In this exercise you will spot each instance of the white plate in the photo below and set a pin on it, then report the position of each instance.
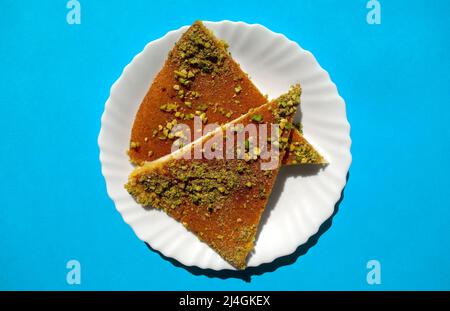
(299, 203)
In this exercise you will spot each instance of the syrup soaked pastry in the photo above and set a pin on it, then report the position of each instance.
(199, 78)
(221, 200)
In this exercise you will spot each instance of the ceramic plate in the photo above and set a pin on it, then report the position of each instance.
(300, 202)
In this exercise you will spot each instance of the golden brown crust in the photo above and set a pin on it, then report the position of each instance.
(217, 92)
(220, 201)
(204, 81)
(227, 94)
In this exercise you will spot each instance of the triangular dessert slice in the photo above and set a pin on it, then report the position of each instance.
(199, 78)
(221, 200)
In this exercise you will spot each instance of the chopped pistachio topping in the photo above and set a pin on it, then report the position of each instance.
(257, 118)
(181, 73)
(299, 127)
(170, 107)
(196, 183)
(197, 51)
(287, 104)
(134, 145)
(202, 107)
(192, 94)
(267, 173)
(256, 151)
(247, 145)
(241, 168)
(305, 153)
(189, 116)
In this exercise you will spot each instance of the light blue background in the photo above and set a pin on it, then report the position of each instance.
(55, 78)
